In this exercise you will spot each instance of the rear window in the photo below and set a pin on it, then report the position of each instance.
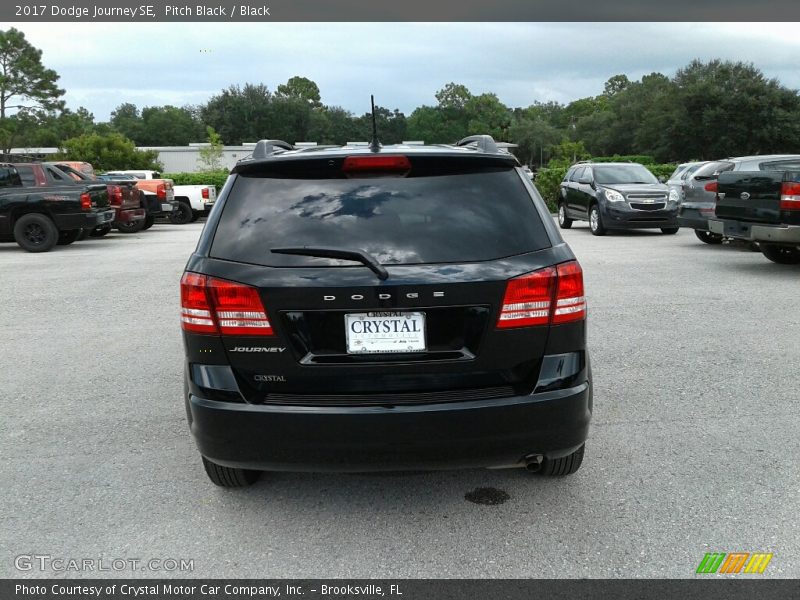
(781, 165)
(398, 220)
(712, 169)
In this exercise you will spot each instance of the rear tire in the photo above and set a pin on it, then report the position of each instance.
(148, 222)
(708, 237)
(99, 232)
(783, 255)
(596, 221)
(563, 220)
(181, 215)
(35, 232)
(228, 477)
(669, 230)
(65, 238)
(566, 465)
(131, 226)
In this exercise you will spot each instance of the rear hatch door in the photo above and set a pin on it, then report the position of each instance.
(449, 235)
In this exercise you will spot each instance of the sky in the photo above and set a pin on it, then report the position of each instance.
(105, 64)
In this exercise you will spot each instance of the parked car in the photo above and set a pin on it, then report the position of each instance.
(682, 171)
(336, 316)
(699, 203)
(123, 196)
(157, 193)
(192, 202)
(761, 206)
(38, 217)
(615, 196)
(696, 203)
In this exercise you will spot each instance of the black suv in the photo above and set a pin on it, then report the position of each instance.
(616, 196)
(384, 308)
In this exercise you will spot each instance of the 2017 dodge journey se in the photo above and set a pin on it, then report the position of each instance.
(365, 308)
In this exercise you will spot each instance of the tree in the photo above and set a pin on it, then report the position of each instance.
(25, 84)
(300, 88)
(211, 154)
(107, 152)
(240, 113)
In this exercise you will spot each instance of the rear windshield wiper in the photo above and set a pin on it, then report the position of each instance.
(356, 255)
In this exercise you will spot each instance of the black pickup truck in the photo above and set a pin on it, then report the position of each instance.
(763, 207)
(39, 217)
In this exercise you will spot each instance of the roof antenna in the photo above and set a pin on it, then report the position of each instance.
(374, 145)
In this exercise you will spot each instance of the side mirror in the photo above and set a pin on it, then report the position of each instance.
(585, 181)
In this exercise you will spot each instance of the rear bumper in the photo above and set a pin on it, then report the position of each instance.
(129, 215)
(693, 218)
(756, 232)
(87, 220)
(619, 215)
(477, 433)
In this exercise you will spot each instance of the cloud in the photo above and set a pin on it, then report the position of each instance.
(403, 64)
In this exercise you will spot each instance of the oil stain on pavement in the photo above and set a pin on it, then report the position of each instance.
(487, 495)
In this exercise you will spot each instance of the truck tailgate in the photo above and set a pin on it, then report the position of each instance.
(750, 196)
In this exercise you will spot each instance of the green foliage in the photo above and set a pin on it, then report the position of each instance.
(644, 159)
(108, 152)
(25, 84)
(216, 178)
(211, 155)
(548, 181)
(300, 88)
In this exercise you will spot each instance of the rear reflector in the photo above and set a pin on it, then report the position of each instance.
(711, 187)
(376, 163)
(550, 295)
(218, 306)
(790, 195)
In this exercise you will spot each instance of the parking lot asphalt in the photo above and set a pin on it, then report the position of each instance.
(693, 446)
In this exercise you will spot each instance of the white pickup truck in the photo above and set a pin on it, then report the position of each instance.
(192, 201)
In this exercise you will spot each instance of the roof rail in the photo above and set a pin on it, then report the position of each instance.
(484, 143)
(266, 147)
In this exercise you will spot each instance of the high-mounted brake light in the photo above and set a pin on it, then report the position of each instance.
(205, 193)
(712, 187)
(550, 295)
(221, 307)
(86, 201)
(376, 163)
(790, 195)
(115, 195)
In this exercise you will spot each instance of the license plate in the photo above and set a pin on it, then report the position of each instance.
(385, 332)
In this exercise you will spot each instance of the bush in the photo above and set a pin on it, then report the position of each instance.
(108, 152)
(215, 178)
(548, 181)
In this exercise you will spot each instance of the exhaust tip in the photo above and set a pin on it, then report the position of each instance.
(533, 462)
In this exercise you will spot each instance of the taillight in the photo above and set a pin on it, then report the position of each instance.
(376, 163)
(528, 299)
(570, 303)
(217, 306)
(195, 308)
(115, 195)
(790, 195)
(161, 191)
(86, 201)
(550, 295)
(205, 193)
(712, 187)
